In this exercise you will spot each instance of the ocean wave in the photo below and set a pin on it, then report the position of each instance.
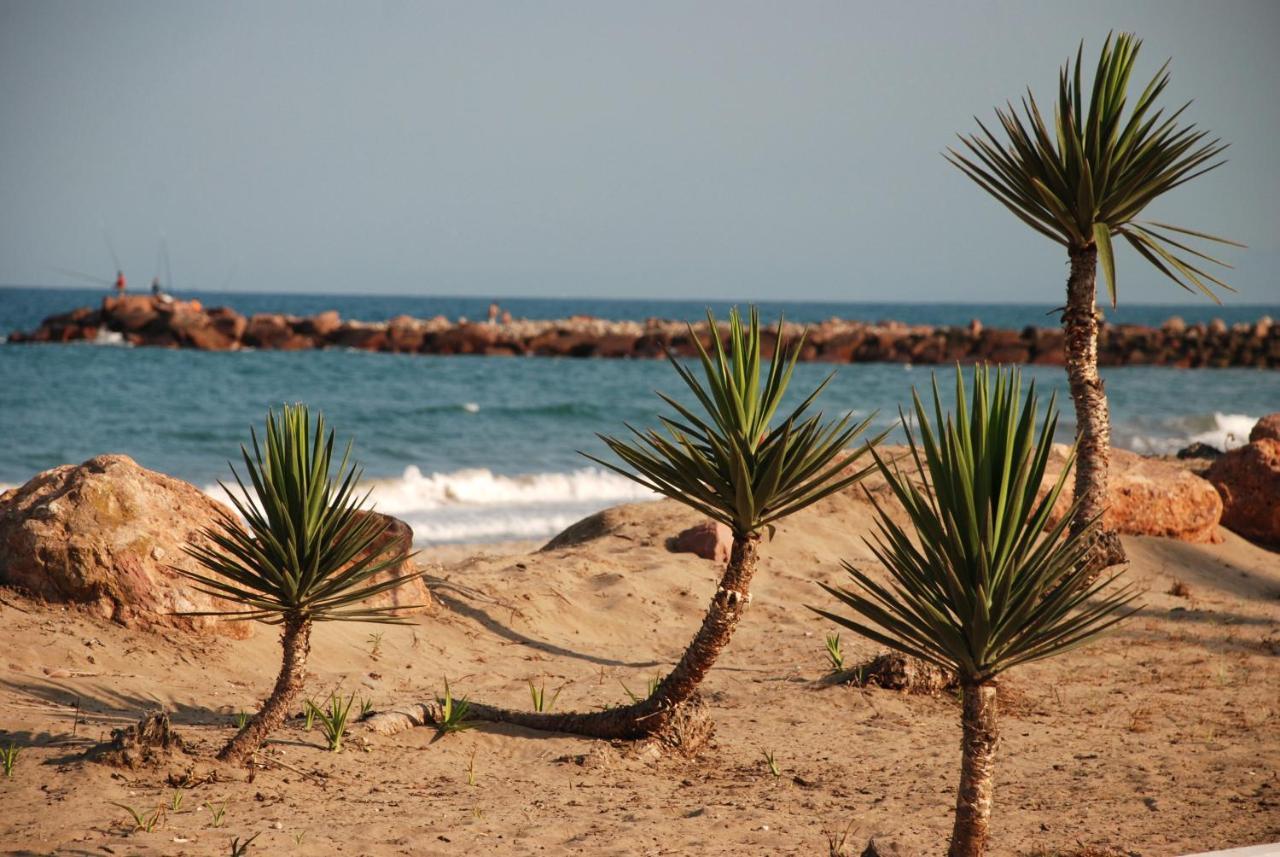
(558, 409)
(477, 505)
(1219, 430)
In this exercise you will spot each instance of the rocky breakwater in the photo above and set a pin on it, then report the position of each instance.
(142, 320)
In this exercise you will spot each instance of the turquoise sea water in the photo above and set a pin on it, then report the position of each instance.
(475, 448)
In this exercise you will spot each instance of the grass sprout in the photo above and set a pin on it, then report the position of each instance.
(239, 849)
(375, 645)
(835, 655)
(333, 723)
(540, 701)
(453, 712)
(9, 758)
(141, 821)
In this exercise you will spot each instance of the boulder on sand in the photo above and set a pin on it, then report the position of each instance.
(709, 540)
(1267, 428)
(1248, 479)
(104, 534)
(1148, 497)
(396, 540)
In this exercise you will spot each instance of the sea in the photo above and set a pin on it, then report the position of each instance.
(482, 449)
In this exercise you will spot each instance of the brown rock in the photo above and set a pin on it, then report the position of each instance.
(1267, 428)
(1248, 479)
(104, 534)
(200, 330)
(1148, 497)
(709, 540)
(130, 313)
(320, 325)
(274, 331)
(410, 597)
(405, 334)
(360, 335)
(229, 322)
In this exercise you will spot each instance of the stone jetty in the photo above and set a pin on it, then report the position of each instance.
(145, 321)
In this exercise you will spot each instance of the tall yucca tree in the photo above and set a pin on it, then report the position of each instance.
(1081, 184)
(729, 459)
(983, 586)
(306, 552)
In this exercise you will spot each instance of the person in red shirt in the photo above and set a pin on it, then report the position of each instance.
(120, 282)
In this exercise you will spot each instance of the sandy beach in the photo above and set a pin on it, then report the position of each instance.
(1160, 739)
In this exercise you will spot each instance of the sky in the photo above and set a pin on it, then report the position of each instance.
(711, 150)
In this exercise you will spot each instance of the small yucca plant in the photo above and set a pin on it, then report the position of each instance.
(983, 586)
(306, 552)
(729, 459)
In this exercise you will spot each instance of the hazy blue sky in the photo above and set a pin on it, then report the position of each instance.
(700, 149)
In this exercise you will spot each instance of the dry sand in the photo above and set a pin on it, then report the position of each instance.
(1161, 739)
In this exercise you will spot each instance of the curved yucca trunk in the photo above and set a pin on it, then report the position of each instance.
(1093, 420)
(650, 715)
(295, 639)
(977, 771)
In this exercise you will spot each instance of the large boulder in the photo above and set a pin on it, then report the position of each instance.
(105, 534)
(1148, 497)
(1248, 479)
(396, 542)
(1267, 428)
(710, 540)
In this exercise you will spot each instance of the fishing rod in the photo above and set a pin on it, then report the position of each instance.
(82, 276)
(111, 247)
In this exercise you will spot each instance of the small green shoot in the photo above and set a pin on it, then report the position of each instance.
(836, 842)
(834, 653)
(772, 763)
(239, 849)
(145, 823)
(9, 758)
(297, 837)
(652, 688)
(375, 645)
(540, 701)
(175, 801)
(218, 813)
(242, 720)
(471, 769)
(309, 710)
(453, 712)
(366, 707)
(333, 723)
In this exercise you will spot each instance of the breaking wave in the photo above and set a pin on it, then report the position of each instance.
(481, 506)
(1223, 431)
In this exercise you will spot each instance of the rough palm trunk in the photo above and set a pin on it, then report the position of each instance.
(977, 771)
(1093, 419)
(296, 642)
(646, 716)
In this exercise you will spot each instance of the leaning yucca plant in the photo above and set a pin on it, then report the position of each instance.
(728, 458)
(1082, 182)
(306, 552)
(983, 586)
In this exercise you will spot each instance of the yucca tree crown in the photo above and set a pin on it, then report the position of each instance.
(1094, 174)
(295, 556)
(983, 587)
(728, 461)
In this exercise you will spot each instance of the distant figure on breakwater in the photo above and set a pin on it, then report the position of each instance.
(158, 293)
(120, 283)
(493, 312)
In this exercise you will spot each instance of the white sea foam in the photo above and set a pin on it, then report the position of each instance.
(109, 337)
(478, 505)
(1223, 431)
